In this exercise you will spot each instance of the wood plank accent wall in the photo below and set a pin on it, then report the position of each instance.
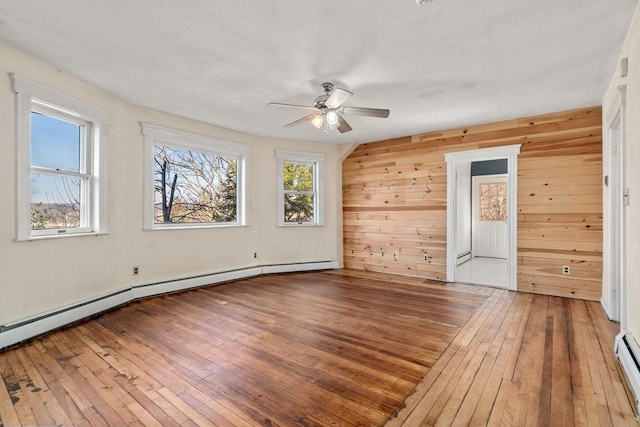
(394, 198)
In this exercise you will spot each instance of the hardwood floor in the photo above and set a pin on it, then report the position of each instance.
(333, 348)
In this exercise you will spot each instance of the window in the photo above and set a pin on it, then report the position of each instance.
(493, 201)
(61, 160)
(299, 188)
(192, 180)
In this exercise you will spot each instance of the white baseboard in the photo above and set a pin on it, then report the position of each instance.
(13, 333)
(305, 266)
(144, 291)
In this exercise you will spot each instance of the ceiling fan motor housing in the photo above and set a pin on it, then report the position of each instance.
(319, 103)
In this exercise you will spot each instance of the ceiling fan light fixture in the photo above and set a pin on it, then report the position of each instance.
(317, 121)
(328, 109)
(332, 118)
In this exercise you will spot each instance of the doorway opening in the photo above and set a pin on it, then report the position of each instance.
(486, 264)
(490, 198)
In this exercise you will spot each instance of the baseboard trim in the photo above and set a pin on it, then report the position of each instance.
(16, 332)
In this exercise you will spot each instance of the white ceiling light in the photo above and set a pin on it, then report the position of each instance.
(332, 118)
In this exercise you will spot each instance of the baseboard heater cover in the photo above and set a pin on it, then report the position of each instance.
(16, 332)
(628, 353)
(462, 258)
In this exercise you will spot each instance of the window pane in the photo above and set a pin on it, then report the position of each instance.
(298, 208)
(297, 176)
(194, 187)
(493, 202)
(55, 202)
(55, 143)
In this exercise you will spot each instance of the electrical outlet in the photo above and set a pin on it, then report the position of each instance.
(425, 257)
(381, 253)
(255, 255)
(566, 269)
(135, 270)
(353, 251)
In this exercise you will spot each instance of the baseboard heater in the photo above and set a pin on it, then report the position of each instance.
(22, 330)
(628, 353)
(463, 257)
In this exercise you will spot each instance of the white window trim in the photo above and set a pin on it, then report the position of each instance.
(28, 92)
(298, 156)
(157, 135)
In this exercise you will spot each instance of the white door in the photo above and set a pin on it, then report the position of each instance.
(489, 223)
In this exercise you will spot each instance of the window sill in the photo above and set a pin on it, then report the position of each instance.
(60, 236)
(307, 224)
(193, 227)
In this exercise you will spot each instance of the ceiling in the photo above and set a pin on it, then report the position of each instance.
(440, 65)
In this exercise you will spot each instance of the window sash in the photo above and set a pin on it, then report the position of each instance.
(315, 160)
(84, 176)
(231, 158)
(311, 193)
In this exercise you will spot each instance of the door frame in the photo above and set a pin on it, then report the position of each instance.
(509, 152)
(615, 228)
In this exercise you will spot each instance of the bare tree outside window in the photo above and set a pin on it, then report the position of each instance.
(194, 187)
(493, 201)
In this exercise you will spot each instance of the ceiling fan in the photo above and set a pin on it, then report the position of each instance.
(328, 110)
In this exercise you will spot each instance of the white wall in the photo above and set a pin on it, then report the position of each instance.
(630, 50)
(463, 208)
(39, 276)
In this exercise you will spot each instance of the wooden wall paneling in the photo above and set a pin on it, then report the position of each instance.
(394, 198)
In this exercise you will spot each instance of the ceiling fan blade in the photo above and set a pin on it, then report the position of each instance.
(370, 112)
(317, 121)
(306, 107)
(302, 120)
(343, 126)
(337, 98)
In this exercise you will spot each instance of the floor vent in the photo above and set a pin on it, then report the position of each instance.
(628, 353)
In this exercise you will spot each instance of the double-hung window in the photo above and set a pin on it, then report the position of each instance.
(300, 188)
(192, 180)
(61, 160)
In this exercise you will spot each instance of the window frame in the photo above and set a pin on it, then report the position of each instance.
(164, 137)
(480, 206)
(315, 159)
(35, 97)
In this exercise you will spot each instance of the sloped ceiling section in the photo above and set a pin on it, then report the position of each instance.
(441, 65)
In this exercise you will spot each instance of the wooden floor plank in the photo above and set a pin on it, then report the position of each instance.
(20, 413)
(42, 388)
(33, 410)
(609, 369)
(501, 350)
(560, 407)
(169, 386)
(333, 348)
